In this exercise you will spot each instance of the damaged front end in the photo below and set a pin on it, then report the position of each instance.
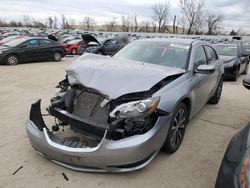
(117, 135)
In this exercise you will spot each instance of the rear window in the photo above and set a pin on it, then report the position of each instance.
(228, 50)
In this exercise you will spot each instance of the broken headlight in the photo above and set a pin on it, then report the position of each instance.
(134, 109)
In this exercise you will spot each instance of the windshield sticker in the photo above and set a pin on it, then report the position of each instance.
(182, 46)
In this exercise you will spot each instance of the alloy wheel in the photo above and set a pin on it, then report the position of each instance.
(178, 127)
(12, 60)
(57, 56)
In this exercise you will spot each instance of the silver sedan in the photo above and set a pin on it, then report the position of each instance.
(121, 111)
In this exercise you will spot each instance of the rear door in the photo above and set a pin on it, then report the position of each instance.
(30, 50)
(46, 48)
(243, 58)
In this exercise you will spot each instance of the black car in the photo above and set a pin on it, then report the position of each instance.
(236, 60)
(106, 47)
(235, 167)
(247, 47)
(29, 49)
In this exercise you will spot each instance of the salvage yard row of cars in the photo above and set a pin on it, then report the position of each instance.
(18, 49)
(122, 110)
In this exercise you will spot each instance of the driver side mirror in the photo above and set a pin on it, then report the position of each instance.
(246, 83)
(205, 69)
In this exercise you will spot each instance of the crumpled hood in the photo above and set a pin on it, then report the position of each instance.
(226, 58)
(116, 77)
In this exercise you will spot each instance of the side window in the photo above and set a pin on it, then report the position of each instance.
(243, 50)
(211, 54)
(32, 43)
(200, 57)
(45, 42)
(110, 42)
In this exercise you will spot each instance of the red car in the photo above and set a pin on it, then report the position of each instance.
(73, 46)
(7, 39)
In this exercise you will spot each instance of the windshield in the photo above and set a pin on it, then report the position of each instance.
(226, 50)
(159, 53)
(74, 41)
(8, 39)
(15, 42)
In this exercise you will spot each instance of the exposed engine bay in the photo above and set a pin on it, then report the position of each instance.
(92, 113)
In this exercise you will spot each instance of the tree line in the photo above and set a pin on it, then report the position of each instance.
(193, 18)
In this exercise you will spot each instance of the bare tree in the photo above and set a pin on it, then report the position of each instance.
(111, 24)
(213, 20)
(135, 23)
(55, 22)
(125, 23)
(193, 11)
(160, 14)
(27, 21)
(50, 20)
(88, 23)
(71, 24)
(145, 27)
(182, 23)
(154, 26)
(38, 24)
(64, 20)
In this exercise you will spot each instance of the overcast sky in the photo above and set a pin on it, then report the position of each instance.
(236, 12)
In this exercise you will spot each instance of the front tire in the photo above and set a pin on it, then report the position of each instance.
(217, 95)
(177, 129)
(57, 56)
(99, 53)
(12, 60)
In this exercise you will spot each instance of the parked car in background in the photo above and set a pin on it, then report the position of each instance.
(7, 39)
(73, 46)
(28, 49)
(235, 167)
(236, 60)
(108, 46)
(89, 42)
(126, 108)
(247, 48)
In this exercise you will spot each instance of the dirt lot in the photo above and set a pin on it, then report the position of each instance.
(195, 165)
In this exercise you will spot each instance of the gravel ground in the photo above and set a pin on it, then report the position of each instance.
(194, 165)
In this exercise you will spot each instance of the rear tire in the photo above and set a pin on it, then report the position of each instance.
(217, 95)
(74, 51)
(12, 60)
(177, 129)
(236, 74)
(57, 56)
(246, 69)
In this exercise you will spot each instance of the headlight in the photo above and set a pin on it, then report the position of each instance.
(136, 108)
(244, 177)
(72, 79)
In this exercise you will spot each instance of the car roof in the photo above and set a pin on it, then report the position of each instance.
(172, 40)
(226, 44)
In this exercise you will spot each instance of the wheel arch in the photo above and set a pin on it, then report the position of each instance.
(188, 103)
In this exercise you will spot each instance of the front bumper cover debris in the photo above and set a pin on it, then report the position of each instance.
(128, 154)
